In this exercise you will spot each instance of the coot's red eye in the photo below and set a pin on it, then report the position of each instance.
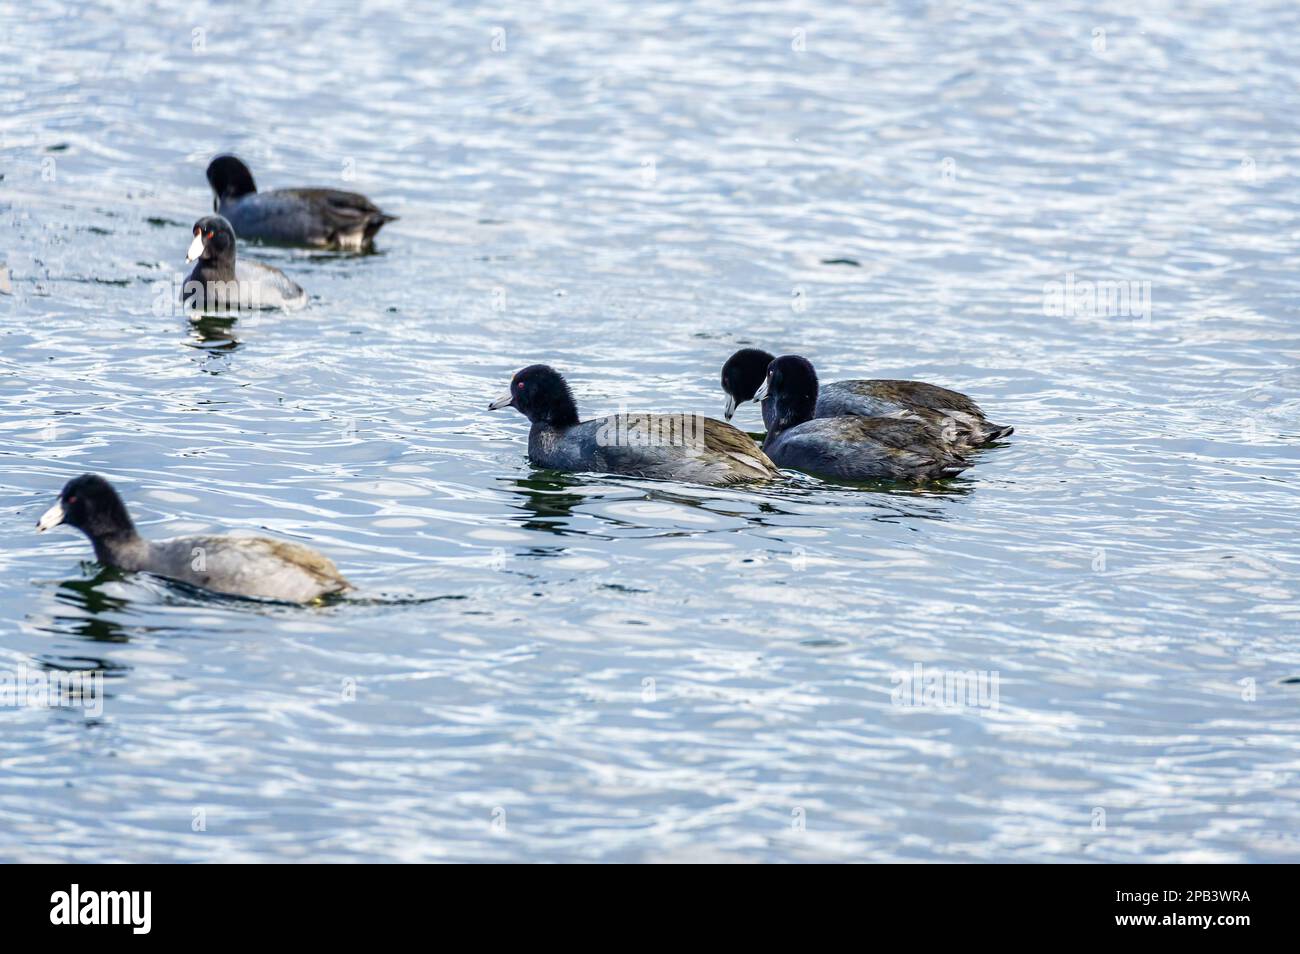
(520, 386)
(72, 499)
(209, 235)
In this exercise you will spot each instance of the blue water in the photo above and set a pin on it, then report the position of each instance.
(546, 667)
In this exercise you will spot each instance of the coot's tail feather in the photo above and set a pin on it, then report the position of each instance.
(376, 222)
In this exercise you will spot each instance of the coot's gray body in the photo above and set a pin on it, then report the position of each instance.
(863, 448)
(669, 446)
(256, 567)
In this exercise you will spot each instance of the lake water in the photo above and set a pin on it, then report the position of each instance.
(562, 668)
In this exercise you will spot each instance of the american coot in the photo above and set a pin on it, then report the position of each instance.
(219, 282)
(671, 446)
(236, 566)
(316, 218)
(849, 447)
(955, 415)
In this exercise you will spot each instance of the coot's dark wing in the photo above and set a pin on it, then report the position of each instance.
(346, 219)
(746, 459)
(919, 394)
(903, 433)
(930, 402)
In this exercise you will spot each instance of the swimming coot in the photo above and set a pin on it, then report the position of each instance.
(316, 218)
(220, 282)
(256, 567)
(846, 447)
(671, 446)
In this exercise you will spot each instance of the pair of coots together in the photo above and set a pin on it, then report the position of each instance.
(314, 218)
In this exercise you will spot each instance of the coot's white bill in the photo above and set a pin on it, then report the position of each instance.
(51, 518)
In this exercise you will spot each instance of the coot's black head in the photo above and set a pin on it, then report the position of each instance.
(230, 178)
(90, 504)
(214, 240)
(742, 375)
(791, 382)
(541, 394)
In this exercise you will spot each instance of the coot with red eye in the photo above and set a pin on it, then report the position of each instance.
(255, 567)
(668, 446)
(220, 281)
(315, 218)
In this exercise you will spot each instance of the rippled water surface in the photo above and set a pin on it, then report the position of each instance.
(548, 667)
